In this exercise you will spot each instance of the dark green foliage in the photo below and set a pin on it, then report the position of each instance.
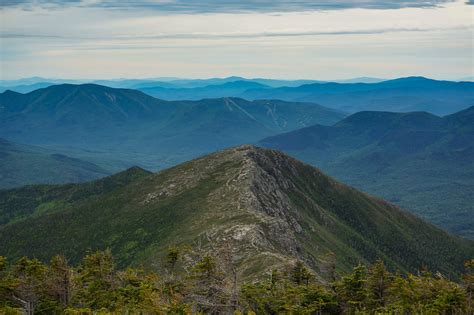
(287, 297)
(379, 280)
(205, 269)
(97, 279)
(95, 286)
(26, 286)
(172, 256)
(300, 274)
(59, 280)
(352, 288)
(17, 204)
(427, 294)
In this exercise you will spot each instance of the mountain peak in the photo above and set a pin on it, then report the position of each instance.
(245, 147)
(122, 178)
(257, 156)
(270, 207)
(85, 103)
(237, 78)
(133, 171)
(82, 86)
(10, 93)
(413, 78)
(89, 88)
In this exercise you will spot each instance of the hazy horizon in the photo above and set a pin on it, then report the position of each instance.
(362, 78)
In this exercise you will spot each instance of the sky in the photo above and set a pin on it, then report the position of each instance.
(287, 39)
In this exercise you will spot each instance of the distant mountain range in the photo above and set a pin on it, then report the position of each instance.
(172, 82)
(197, 93)
(398, 95)
(268, 207)
(25, 165)
(418, 160)
(30, 84)
(99, 118)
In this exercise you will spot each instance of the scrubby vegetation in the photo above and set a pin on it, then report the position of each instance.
(193, 282)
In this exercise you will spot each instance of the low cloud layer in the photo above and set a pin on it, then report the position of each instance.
(192, 36)
(219, 6)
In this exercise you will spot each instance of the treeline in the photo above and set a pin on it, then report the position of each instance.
(190, 283)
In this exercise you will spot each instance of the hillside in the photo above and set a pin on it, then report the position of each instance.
(399, 95)
(120, 122)
(417, 160)
(25, 165)
(268, 206)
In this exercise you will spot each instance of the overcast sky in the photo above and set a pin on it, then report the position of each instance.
(320, 39)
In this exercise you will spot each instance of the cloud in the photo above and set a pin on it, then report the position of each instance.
(12, 35)
(219, 35)
(34, 3)
(233, 6)
(108, 38)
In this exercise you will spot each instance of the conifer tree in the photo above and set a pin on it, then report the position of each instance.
(379, 280)
(300, 274)
(59, 280)
(351, 289)
(28, 284)
(96, 281)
